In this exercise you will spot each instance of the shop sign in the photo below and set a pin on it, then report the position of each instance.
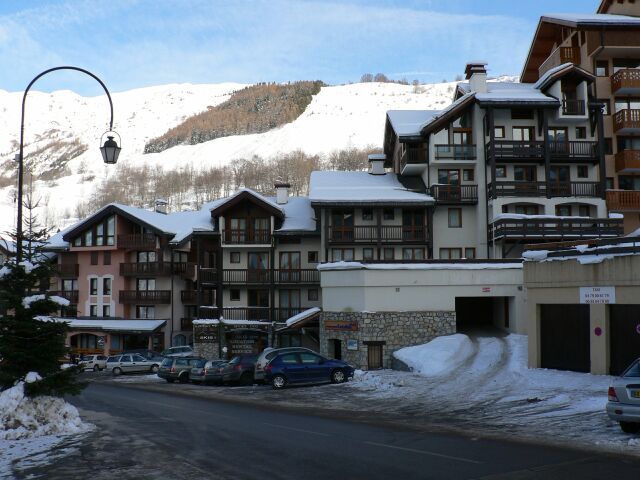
(597, 295)
(100, 342)
(345, 326)
(206, 334)
(243, 342)
(352, 344)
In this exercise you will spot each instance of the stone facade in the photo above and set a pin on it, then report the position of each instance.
(394, 330)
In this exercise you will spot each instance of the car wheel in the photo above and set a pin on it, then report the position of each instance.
(630, 427)
(117, 371)
(279, 382)
(338, 376)
(183, 377)
(154, 368)
(96, 368)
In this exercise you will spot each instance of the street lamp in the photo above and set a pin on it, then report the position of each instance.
(110, 150)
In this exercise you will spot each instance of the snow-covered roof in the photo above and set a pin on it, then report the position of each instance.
(113, 325)
(298, 216)
(255, 194)
(302, 316)
(418, 266)
(409, 123)
(331, 187)
(591, 19)
(510, 92)
(216, 321)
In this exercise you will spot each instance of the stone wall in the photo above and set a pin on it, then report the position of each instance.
(396, 329)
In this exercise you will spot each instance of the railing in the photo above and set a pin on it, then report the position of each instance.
(518, 150)
(413, 156)
(627, 159)
(573, 107)
(247, 237)
(454, 194)
(67, 270)
(539, 189)
(265, 314)
(137, 241)
(278, 276)
(623, 200)
(374, 233)
(189, 296)
(156, 268)
(208, 275)
(186, 323)
(71, 295)
(282, 276)
(145, 296)
(559, 56)
(627, 119)
(455, 152)
(184, 269)
(555, 228)
(574, 149)
(625, 79)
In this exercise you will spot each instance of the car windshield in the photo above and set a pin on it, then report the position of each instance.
(113, 359)
(234, 360)
(633, 370)
(167, 362)
(199, 363)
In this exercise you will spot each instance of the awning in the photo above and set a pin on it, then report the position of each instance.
(302, 319)
(136, 325)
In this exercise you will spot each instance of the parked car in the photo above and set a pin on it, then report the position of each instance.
(304, 367)
(119, 364)
(269, 354)
(240, 369)
(93, 362)
(624, 399)
(207, 371)
(178, 368)
(148, 354)
(184, 351)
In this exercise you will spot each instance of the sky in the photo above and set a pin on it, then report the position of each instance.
(137, 43)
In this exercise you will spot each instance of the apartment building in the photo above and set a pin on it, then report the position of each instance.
(607, 45)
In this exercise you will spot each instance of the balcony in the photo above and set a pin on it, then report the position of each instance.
(627, 121)
(247, 237)
(573, 108)
(558, 57)
(628, 161)
(455, 152)
(190, 297)
(145, 296)
(626, 82)
(186, 323)
(533, 151)
(156, 268)
(539, 189)
(555, 228)
(71, 295)
(137, 241)
(375, 234)
(455, 194)
(67, 270)
(413, 162)
(265, 314)
(208, 275)
(579, 150)
(623, 200)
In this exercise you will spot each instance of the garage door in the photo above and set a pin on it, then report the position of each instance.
(624, 325)
(564, 337)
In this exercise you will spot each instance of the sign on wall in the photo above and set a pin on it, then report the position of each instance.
(345, 326)
(206, 334)
(352, 344)
(603, 295)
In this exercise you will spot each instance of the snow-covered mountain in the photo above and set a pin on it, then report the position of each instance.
(338, 117)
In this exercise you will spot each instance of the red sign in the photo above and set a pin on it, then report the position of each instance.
(486, 289)
(345, 326)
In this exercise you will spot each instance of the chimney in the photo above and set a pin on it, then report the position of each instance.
(476, 73)
(161, 206)
(376, 160)
(282, 192)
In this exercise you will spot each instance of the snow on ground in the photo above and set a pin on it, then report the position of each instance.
(137, 378)
(441, 355)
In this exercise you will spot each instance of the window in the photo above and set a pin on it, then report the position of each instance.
(309, 358)
(389, 253)
(88, 238)
(106, 286)
(498, 132)
(367, 254)
(145, 284)
(100, 234)
(455, 217)
(608, 146)
(93, 286)
(628, 182)
(602, 68)
(312, 295)
(449, 177)
(388, 214)
(583, 171)
(469, 253)
(367, 214)
(93, 310)
(146, 257)
(180, 257)
(106, 258)
(77, 242)
(522, 134)
(563, 210)
(145, 311)
(450, 253)
(234, 257)
(468, 175)
(69, 285)
(289, 359)
(583, 210)
(606, 106)
(94, 258)
(111, 230)
(413, 253)
(342, 255)
(312, 257)
(106, 310)
(524, 173)
(501, 171)
(521, 114)
(234, 294)
(527, 209)
(581, 133)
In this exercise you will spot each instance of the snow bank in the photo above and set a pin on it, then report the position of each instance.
(438, 357)
(23, 417)
(27, 301)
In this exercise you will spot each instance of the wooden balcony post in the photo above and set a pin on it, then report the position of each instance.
(547, 151)
(602, 169)
(492, 146)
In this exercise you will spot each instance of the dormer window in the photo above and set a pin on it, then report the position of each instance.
(98, 235)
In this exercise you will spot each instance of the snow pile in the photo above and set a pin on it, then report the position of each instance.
(23, 417)
(438, 357)
(27, 301)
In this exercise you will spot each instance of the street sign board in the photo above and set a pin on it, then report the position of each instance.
(591, 295)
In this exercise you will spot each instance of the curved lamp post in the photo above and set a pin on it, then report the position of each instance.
(110, 150)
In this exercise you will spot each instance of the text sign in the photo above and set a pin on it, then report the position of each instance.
(347, 326)
(598, 295)
(206, 334)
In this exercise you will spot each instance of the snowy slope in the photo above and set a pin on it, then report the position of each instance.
(338, 117)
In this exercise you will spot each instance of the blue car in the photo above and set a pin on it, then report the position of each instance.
(305, 367)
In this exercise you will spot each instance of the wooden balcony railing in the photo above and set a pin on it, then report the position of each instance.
(539, 189)
(413, 156)
(578, 149)
(628, 160)
(247, 237)
(67, 270)
(534, 150)
(555, 228)
(208, 275)
(71, 295)
(455, 194)
(625, 81)
(189, 296)
(627, 121)
(265, 314)
(623, 200)
(558, 57)
(374, 234)
(137, 241)
(157, 268)
(573, 107)
(186, 323)
(455, 152)
(278, 276)
(145, 296)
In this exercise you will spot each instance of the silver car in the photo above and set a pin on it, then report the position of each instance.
(269, 354)
(119, 364)
(93, 362)
(624, 399)
(184, 351)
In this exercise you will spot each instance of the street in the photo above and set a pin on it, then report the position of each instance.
(152, 435)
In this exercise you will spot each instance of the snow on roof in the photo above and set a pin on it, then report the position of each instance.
(215, 321)
(298, 215)
(552, 71)
(416, 266)
(520, 216)
(302, 316)
(361, 187)
(255, 194)
(409, 122)
(510, 92)
(113, 325)
(593, 19)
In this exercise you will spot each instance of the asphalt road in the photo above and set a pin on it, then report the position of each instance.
(150, 435)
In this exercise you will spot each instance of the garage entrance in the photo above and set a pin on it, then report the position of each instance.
(479, 313)
(624, 336)
(564, 337)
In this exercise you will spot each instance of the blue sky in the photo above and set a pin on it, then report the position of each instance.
(137, 43)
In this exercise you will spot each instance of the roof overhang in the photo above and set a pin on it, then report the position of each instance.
(246, 196)
(112, 325)
(449, 115)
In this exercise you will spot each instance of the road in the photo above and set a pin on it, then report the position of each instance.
(152, 435)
